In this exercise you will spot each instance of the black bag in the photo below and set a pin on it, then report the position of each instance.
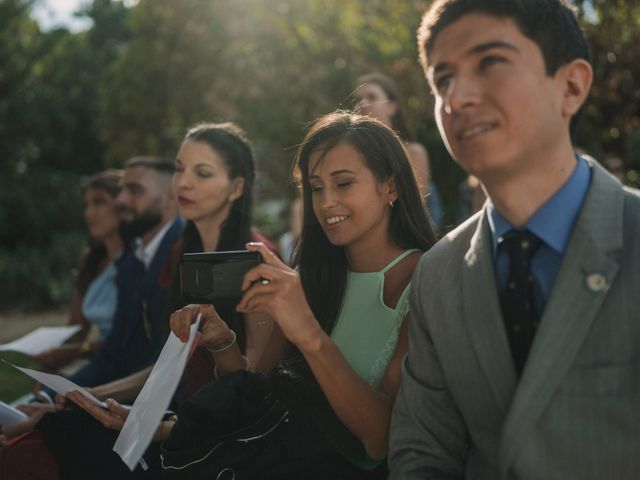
(237, 429)
(83, 448)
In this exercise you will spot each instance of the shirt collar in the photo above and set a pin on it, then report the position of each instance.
(554, 220)
(145, 253)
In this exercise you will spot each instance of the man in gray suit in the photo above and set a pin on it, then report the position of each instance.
(524, 357)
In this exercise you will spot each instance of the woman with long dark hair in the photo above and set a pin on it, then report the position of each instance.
(95, 296)
(345, 308)
(213, 184)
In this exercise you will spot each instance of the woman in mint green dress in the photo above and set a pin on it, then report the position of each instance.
(345, 307)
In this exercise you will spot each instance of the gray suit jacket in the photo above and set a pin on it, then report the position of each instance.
(575, 413)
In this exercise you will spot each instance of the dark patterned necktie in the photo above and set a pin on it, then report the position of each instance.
(521, 308)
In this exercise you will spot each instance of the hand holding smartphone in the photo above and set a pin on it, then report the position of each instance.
(215, 277)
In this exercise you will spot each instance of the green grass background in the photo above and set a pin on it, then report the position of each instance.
(13, 383)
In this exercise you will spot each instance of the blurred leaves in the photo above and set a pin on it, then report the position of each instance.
(74, 103)
(14, 383)
(40, 241)
(614, 112)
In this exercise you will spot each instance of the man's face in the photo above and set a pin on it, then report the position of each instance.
(496, 108)
(140, 202)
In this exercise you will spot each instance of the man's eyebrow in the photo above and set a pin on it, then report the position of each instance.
(335, 173)
(477, 49)
(483, 47)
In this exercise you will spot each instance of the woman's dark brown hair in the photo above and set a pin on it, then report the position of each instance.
(323, 266)
(398, 120)
(231, 144)
(95, 255)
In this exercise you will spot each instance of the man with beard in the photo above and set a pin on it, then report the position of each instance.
(148, 223)
(150, 227)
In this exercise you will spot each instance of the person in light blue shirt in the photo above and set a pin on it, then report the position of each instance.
(95, 295)
(100, 301)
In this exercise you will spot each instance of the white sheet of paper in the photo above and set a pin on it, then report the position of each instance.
(57, 383)
(42, 339)
(10, 416)
(151, 404)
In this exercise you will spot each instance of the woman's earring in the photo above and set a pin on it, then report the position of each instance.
(391, 203)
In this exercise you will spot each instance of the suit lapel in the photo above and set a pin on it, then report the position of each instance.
(483, 317)
(149, 281)
(586, 272)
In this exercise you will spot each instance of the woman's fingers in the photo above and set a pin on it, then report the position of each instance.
(113, 419)
(257, 303)
(117, 409)
(174, 323)
(262, 274)
(85, 404)
(186, 315)
(258, 289)
(182, 319)
(268, 256)
(80, 400)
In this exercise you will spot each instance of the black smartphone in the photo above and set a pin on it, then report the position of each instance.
(215, 277)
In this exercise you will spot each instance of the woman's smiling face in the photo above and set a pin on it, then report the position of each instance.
(351, 205)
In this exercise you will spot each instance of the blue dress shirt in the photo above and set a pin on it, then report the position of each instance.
(100, 300)
(553, 223)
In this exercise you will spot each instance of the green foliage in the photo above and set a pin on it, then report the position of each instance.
(13, 383)
(42, 237)
(34, 277)
(614, 106)
(50, 133)
(73, 103)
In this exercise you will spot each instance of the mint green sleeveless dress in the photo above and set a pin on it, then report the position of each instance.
(366, 333)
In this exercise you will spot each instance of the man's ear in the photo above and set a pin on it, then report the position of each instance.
(237, 189)
(577, 77)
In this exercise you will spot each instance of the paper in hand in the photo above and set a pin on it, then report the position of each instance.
(57, 383)
(151, 404)
(41, 339)
(10, 416)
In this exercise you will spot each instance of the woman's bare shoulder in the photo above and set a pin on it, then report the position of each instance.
(398, 277)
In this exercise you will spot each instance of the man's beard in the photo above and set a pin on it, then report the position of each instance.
(141, 224)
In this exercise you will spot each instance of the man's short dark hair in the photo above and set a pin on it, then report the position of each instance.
(158, 164)
(550, 24)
